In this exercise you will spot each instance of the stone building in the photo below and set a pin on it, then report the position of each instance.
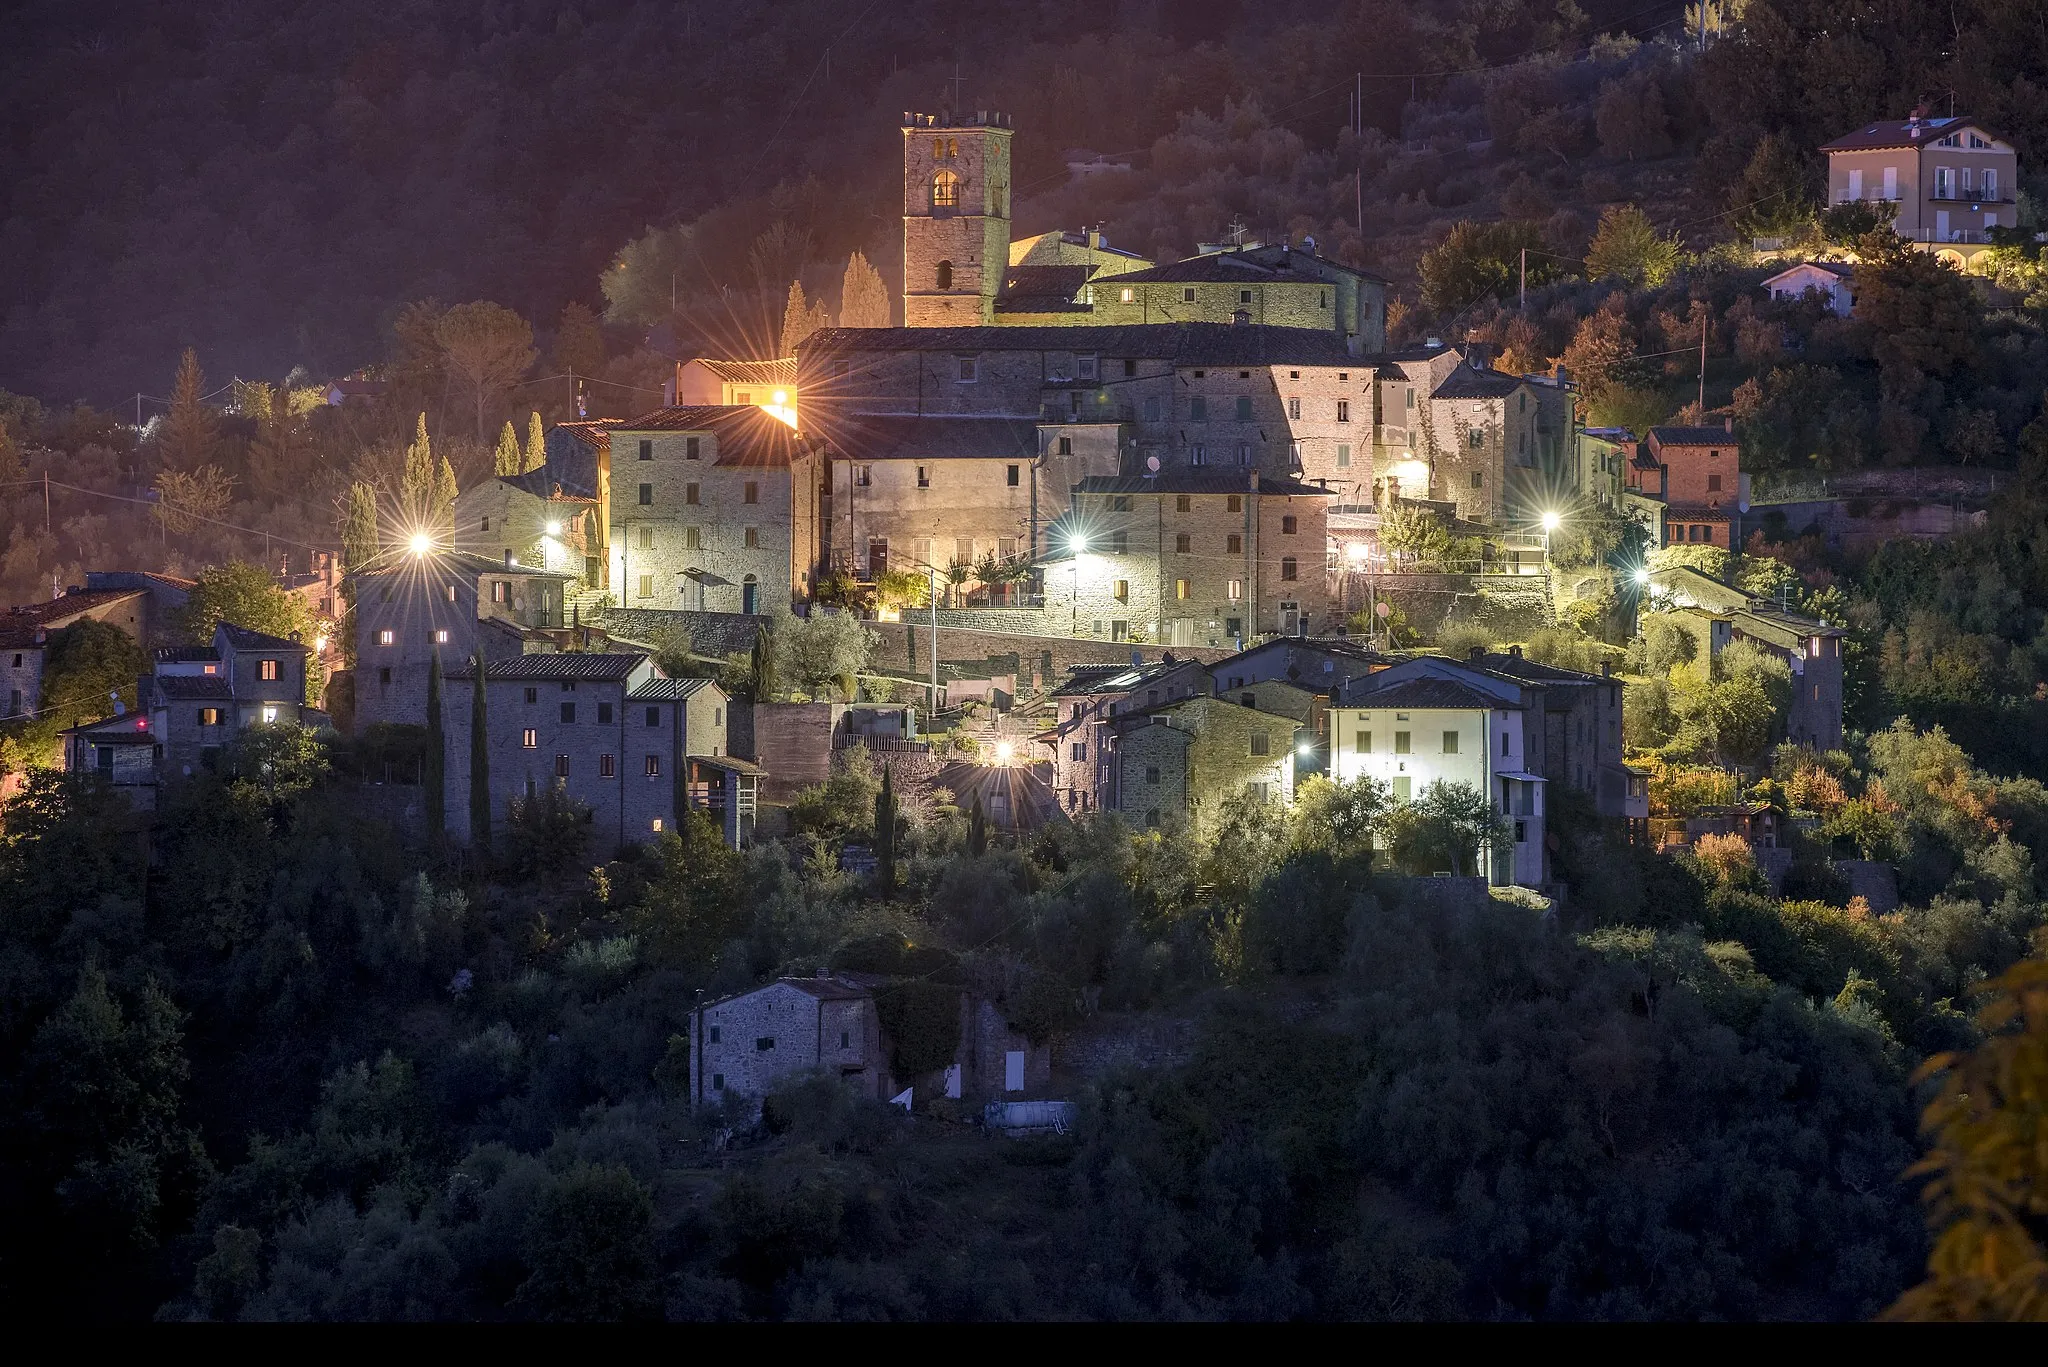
(714, 509)
(906, 492)
(1177, 762)
(1719, 615)
(605, 729)
(193, 703)
(25, 633)
(709, 383)
(1279, 285)
(743, 1046)
(956, 217)
(1696, 473)
(532, 519)
(411, 606)
(1085, 712)
(1188, 559)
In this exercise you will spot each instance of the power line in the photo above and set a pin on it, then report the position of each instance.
(175, 510)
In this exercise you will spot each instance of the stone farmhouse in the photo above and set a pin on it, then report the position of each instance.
(1691, 480)
(605, 729)
(1719, 615)
(193, 703)
(743, 1046)
(25, 637)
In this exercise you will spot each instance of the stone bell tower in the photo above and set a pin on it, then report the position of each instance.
(956, 217)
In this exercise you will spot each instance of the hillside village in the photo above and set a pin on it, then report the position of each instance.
(942, 700)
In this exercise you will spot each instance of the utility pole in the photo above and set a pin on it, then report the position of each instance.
(46, 500)
(932, 596)
(1523, 303)
(1703, 370)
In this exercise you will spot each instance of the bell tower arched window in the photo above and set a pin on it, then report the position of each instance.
(945, 191)
(945, 275)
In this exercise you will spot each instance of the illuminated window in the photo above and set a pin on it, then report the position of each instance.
(500, 590)
(266, 670)
(945, 192)
(1236, 592)
(1183, 589)
(529, 739)
(717, 1079)
(693, 538)
(1127, 295)
(209, 716)
(384, 638)
(440, 639)
(653, 766)
(1120, 590)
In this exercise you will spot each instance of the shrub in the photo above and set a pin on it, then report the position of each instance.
(922, 1021)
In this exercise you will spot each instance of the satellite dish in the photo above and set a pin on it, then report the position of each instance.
(1383, 609)
(1152, 464)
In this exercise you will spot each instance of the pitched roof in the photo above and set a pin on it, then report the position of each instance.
(1088, 680)
(746, 434)
(1841, 270)
(869, 436)
(397, 560)
(1418, 693)
(608, 667)
(185, 654)
(1526, 670)
(781, 371)
(1043, 289)
(1468, 383)
(1196, 482)
(1899, 133)
(1245, 344)
(209, 687)
(1257, 265)
(668, 690)
(1692, 436)
(712, 635)
(242, 638)
(833, 989)
(19, 625)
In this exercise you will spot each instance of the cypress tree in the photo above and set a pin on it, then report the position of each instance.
(433, 772)
(536, 443)
(885, 833)
(507, 460)
(761, 669)
(479, 763)
(416, 486)
(977, 830)
(442, 509)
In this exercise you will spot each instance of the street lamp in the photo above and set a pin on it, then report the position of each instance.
(1642, 577)
(554, 529)
(420, 543)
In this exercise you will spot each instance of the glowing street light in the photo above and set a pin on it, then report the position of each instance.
(1642, 578)
(782, 398)
(554, 529)
(1003, 752)
(419, 543)
(1356, 550)
(1551, 522)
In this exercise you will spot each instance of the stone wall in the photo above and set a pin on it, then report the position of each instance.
(779, 1031)
(1042, 658)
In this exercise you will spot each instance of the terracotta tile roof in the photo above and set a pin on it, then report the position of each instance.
(1467, 383)
(1418, 693)
(1044, 289)
(242, 638)
(746, 434)
(667, 690)
(183, 687)
(1196, 482)
(1183, 344)
(879, 436)
(1899, 133)
(610, 667)
(1692, 436)
(781, 371)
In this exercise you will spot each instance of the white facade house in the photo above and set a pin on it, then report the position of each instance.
(1831, 280)
(1432, 719)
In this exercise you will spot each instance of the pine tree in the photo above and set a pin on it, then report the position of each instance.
(536, 443)
(434, 771)
(863, 298)
(885, 833)
(977, 830)
(443, 506)
(416, 486)
(507, 460)
(479, 761)
(191, 430)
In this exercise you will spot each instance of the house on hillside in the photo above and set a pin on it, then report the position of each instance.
(1831, 281)
(1178, 762)
(1081, 740)
(191, 705)
(1948, 181)
(831, 1024)
(1690, 481)
(25, 633)
(1719, 615)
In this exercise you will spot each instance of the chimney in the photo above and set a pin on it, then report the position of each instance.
(1515, 652)
(1479, 355)
(1563, 376)
(1476, 654)
(508, 557)
(1728, 423)
(1607, 669)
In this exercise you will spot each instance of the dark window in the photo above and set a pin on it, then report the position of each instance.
(690, 494)
(653, 769)
(1289, 568)
(1343, 410)
(1198, 409)
(1130, 366)
(384, 674)
(691, 449)
(1233, 544)
(1183, 503)
(718, 1082)
(943, 279)
(646, 450)
(1478, 479)
(605, 767)
(1287, 525)
(654, 716)
(1080, 750)
(1120, 504)
(1120, 542)
(751, 493)
(1010, 476)
(714, 1034)
(1152, 773)
(1183, 543)
(1260, 742)
(604, 713)
(568, 713)
(561, 766)
(764, 1044)
(646, 495)
(532, 695)
(1244, 409)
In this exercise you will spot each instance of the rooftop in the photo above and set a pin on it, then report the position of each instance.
(1465, 382)
(668, 690)
(1197, 482)
(1693, 436)
(398, 559)
(1418, 693)
(746, 434)
(909, 436)
(781, 371)
(190, 686)
(712, 635)
(1901, 133)
(1183, 344)
(1043, 289)
(1089, 680)
(610, 667)
(242, 638)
